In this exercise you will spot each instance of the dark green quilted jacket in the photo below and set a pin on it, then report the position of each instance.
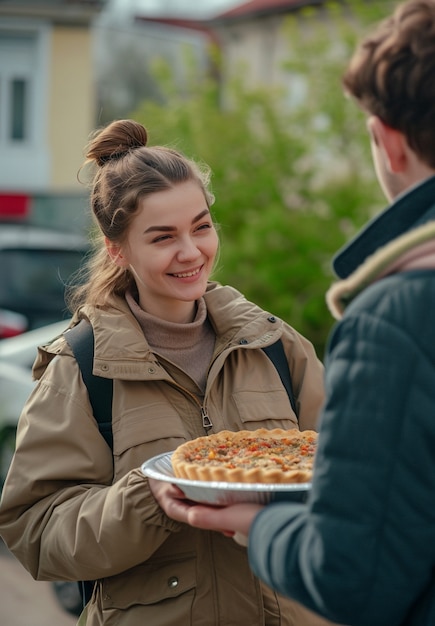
(361, 551)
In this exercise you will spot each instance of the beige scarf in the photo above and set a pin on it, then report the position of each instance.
(413, 250)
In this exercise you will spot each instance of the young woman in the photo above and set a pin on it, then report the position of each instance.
(185, 357)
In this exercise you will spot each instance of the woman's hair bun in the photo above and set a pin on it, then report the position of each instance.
(116, 140)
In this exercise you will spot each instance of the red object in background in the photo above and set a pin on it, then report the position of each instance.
(11, 324)
(14, 206)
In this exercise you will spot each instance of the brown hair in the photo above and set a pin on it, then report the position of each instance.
(392, 75)
(127, 171)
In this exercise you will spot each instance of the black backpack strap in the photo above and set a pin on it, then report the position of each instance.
(276, 354)
(81, 340)
(100, 390)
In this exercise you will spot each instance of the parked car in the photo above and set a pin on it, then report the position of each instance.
(17, 355)
(15, 386)
(22, 349)
(11, 323)
(36, 264)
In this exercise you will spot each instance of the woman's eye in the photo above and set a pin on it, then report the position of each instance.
(161, 238)
(204, 226)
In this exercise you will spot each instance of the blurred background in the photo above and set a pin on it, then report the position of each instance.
(252, 88)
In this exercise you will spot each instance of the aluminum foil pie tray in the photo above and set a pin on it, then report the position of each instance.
(222, 493)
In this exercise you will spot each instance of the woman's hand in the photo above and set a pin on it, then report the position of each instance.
(171, 499)
(229, 520)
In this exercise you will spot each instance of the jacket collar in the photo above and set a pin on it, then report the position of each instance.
(237, 320)
(117, 332)
(413, 250)
(411, 209)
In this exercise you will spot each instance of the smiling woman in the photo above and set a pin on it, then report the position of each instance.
(187, 357)
(170, 261)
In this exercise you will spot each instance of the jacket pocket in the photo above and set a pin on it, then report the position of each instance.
(260, 409)
(143, 433)
(152, 593)
(148, 424)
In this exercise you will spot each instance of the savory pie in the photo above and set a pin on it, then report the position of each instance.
(258, 456)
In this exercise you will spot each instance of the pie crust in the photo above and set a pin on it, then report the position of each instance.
(258, 456)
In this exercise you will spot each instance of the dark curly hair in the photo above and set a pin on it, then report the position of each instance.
(392, 75)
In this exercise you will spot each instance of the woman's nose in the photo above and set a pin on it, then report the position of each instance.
(188, 250)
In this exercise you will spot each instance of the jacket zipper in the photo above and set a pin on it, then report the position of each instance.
(206, 421)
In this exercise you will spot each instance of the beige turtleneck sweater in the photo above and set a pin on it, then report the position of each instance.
(190, 346)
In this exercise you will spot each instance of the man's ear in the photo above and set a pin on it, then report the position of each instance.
(115, 252)
(391, 142)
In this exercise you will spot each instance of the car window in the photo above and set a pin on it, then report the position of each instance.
(29, 274)
(34, 281)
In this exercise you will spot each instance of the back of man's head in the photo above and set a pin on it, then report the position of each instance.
(392, 75)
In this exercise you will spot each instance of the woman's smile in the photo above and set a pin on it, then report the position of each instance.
(188, 274)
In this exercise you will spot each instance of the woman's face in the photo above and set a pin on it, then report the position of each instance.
(170, 249)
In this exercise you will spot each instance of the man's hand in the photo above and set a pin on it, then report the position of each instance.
(235, 518)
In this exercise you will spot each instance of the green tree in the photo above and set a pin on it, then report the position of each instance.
(292, 181)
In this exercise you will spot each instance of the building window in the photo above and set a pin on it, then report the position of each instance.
(17, 65)
(18, 125)
(25, 47)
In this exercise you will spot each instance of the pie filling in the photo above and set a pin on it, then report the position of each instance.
(261, 456)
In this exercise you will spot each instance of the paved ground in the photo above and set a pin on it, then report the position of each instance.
(25, 602)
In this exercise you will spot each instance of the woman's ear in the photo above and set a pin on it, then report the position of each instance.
(114, 250)
(392, 143)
